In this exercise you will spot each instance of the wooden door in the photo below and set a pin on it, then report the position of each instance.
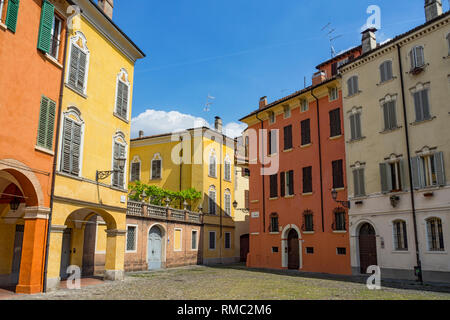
(90, 233)
(154, 249)
(293, 250)
(17, 255)
(245, 244)
(65, 253)
(367, 247)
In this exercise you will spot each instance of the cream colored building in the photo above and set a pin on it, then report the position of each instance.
(396, 95)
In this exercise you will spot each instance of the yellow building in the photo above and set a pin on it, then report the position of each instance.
(198, 158)
(90, 188)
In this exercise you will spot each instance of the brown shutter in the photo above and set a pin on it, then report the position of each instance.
(282, 183)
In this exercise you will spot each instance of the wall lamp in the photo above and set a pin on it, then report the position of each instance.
(101, 175)
(345, 204)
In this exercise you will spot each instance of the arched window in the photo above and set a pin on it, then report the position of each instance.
(78, 63)
(227, 168)
(400, 235)
(156, 167)
(122, 95)
(308, 222)
(227, 197)
(417, 57)
(212, 200)
(71, 146)
(274, 224)
(386, 71)
(352, 85)
(135, 169)
(435, 234)
(119, 152)
(212, 163)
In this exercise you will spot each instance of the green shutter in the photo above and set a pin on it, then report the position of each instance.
(46, 26)
(43, 117)
(50, 124)
(12, 14)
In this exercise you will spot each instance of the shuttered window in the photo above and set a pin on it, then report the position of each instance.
(338, 174)
(353, 86)
(212, 202)
(227, 204)
(306, 132)
(287, 183)
(435, 235)
(274, 186)
(282, 184)
(307, 180)
(212, 166)
(71, 147)
(335, 123)
(77, 68)
(392, 176)
(355, 126)
(46, 123)
(12, 15)
(400, 235)
(288, 137)
(390, 115)
(122, 100)
(386, 71)
(227, 169)
(273, 139)
(422, 105)
(135, 171)
(448, 43)
(304, 106)
(428, 170)
(156, 169)
(358, 182)
(417, 57)
(46, 26)
(118, 175)
(333, 94)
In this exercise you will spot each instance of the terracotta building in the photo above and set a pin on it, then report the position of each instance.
(295, 163)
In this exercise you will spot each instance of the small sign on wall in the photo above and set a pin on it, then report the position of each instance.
(123, 199)
(255, 214)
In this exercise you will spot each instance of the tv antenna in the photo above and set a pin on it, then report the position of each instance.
(331, 37)
(208, 103)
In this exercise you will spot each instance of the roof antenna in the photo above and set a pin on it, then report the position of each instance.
(331, 38)
(208, 103)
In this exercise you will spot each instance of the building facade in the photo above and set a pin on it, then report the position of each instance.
(32, 34)
(88, 223)
(396, 112)
(294, 221)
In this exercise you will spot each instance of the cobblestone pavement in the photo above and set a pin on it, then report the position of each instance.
(237, 282)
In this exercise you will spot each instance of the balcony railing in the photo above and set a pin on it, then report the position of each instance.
(141, 209)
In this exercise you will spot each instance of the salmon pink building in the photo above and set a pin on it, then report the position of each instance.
(296, 156)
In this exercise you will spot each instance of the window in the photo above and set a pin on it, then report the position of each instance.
(11, 14)
(212, 240)
(247, 199)
(177, 240)
(390, 117)
(386, 71)
(335, 123)
(122, 95)
(46, 123)
(131, 238)
(194, 243)
(227, 169)
(339, 220)
(288, 137)
(435, 235)
(274, 227)
(273, 139)
(400, 235)
(428, 170)
(304, 106)
(338, 174)
(417, 57)
(287, 112)
(310, 250)
(212, 200)
(135, 171)
(227, 198)
(274, 249)
(448, 43)
(358, 182)
(212, 164)
(355, 126)
(2, 2)
(56, 37)
(341, 251)
(306, 132)
(118, 175)
(333, 94)
(422, 105)
(287, 183)
(353, 87)
(49, 38)
(71, 144)
(307, 180)
(274, 186)
(156, 167)
(78, 63)
(227, 240)
(271, 117)
(308, 221)
(392, 175)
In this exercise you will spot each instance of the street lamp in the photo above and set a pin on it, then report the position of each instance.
(14, 204)
(334, 195)
(235, 204)
(101, 175)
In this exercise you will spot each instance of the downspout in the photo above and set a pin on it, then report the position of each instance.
(263, 185)
(320, 160)
(413, 204)
(58, 125)
(220, 197)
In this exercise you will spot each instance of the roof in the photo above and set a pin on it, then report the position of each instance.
(170, 133)
(339, 56)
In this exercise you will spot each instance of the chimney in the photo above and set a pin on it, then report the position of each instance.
(369, 40)
(262, 102)
(107, 6)
(318, 77)
(141, 134)
(433, 9)
(218, 124)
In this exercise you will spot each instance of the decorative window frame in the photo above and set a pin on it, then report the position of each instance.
(122, 76)
(287, 111)
(414, 48)
(196, 239)
(349, 95)
(272, 117)
(120, 138)
(136, 159)
(330, 90)
(227, 192)
(80, 41)
(353, 111)
(135, 238)
(74, 114)
(156, 156)
(386, 99)
(212, 153)
(227, 161)
(304, 105)
(212, 188)
(392, 69)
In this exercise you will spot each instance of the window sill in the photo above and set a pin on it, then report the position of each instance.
(121, 118)
(3, 26)
(289, 196)
(400, 252)
(307, 194)
(339, 231)
(288, 150)
(436, 252)
(391, 130)
(271, 199)
(274, 232)
(212, 177)
(386, 81)
(254, 201)
(306, 145)
(339, 189)
(126, 251)
(227, 180)
(44, 150)
(353, 95)
(76, 91)
(308, 232)
(155, 179)
(336, 137)
(54, 61)
(272, 155)
(415, 123)
(356, 140)
(68, 175)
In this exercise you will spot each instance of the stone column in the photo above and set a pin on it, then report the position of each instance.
(33, 250)
(115, 254)
(54, 257)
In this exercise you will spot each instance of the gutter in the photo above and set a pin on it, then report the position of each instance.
(408, 148)
(263, 185)
(58, 126)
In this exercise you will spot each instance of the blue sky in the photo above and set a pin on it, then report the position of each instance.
(238, 51)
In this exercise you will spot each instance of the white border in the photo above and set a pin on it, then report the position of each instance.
(135, 238)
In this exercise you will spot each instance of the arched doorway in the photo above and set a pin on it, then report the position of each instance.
(367, 247)
(154, 248)
(293, 250)
(89, 246)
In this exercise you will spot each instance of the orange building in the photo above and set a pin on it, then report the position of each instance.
(32, 37)
(295, 223)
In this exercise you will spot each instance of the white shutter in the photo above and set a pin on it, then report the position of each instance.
(440, 168)
(76, 148)
(386, 177)
(81, 71)
(73, 68)
(66, 147)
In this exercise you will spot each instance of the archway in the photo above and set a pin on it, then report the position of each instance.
(155, 248)
(291, 247)
(293, 250)
(367, 247)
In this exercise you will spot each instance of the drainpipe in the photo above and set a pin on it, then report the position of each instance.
(320, 160)
(263, 185)
(413, 204)
(220, 197)
(58, 125)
